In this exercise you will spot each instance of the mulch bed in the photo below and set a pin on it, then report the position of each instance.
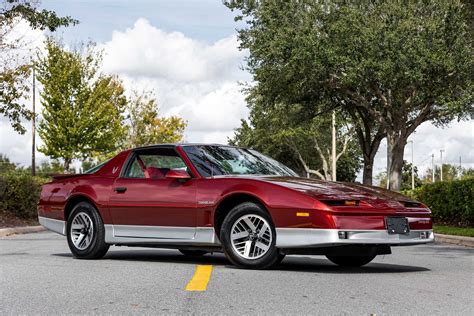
(9, 220)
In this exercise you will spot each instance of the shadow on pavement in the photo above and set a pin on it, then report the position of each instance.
(306, 264)
(291, 263)
(169, 256)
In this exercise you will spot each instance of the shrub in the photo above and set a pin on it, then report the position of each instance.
(451, 202)
(19, 193)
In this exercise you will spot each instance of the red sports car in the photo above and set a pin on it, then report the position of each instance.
(202, 198)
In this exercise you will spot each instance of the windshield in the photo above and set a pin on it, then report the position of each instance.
(225, 160)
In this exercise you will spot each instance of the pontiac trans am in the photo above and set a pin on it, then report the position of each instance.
(200, 198)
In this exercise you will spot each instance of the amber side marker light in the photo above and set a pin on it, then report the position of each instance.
(302, 214)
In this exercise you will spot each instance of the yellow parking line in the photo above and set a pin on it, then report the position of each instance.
(200, 278)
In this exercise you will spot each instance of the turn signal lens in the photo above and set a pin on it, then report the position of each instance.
(351, 203)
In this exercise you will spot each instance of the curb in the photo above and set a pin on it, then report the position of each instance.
(20, 230)
(455, 240)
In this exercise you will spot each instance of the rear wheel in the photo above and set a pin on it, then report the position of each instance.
(350, 261)
(86, 232)
(248, 237)
(192, 253)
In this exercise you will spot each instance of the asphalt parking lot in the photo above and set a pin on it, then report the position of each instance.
(39, 276)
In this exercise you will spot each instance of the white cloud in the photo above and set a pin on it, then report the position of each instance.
(145, 51)
(195, 80)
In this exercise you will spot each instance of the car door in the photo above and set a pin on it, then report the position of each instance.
(146, 204)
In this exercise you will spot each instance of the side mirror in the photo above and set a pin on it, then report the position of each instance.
(178, 174)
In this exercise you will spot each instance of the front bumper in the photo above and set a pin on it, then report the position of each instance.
(312, 238)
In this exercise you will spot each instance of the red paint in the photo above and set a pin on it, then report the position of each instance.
(177, 201)
(153, 202)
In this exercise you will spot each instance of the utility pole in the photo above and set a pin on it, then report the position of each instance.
(333, 146)
(33, 127)
(441, 154)
(412, 168)
(389, 162)
(432, 168)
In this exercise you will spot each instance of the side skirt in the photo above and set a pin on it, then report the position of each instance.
(54, 225)
(160, 235)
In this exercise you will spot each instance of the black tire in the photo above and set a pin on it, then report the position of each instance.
(269, 258)
(97, 248)
(350, 261)
(192, 252)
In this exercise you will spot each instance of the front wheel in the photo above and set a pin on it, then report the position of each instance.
(350, 261)
(248, 237)
(86, 232)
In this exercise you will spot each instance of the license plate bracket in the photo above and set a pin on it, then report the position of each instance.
(397, 225)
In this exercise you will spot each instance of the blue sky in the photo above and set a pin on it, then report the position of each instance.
(205, 20)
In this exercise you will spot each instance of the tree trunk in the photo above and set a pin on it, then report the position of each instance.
(396, 148)
(67, 163)
(369, 135)
(369, 150)
(367, 172)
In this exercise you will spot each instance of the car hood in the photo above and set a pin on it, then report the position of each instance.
(327, 190)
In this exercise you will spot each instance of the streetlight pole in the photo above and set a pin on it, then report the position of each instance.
(389, 162)
(33, 126)
(432, 168)
(460, 168)
(441, 171)
(412, 167)
(333, 146)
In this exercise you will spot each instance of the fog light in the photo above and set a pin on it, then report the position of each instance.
(424, 235)
(342, 235)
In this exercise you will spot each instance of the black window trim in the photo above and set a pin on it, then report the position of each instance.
(134, 152)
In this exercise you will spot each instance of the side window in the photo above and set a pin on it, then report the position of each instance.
(154, 163)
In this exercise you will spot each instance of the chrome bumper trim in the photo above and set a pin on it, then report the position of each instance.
(54, 225)
(311, 237)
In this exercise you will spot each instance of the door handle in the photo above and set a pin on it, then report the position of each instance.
(120, 189)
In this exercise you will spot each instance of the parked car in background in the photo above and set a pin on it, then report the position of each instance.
(202, 198)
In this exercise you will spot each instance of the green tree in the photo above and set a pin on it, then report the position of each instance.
(15, 69)
(393, 65)
(82, 109)
(6, 165)
(305, 145)
(47, 168)
(450, 173)
(406, 177)
(467, 173)
(146, 127)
